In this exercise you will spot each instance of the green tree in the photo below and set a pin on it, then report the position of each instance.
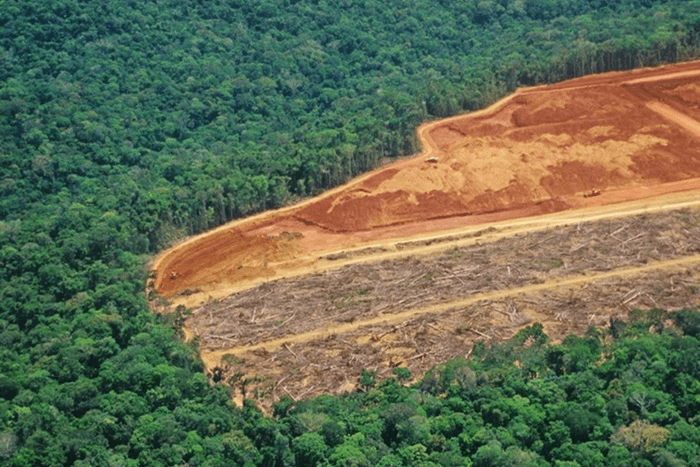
(309, 449)
(368, 379)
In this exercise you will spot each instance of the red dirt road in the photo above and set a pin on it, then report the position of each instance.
(632, 135)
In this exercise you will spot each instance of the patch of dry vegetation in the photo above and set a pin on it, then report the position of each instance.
(326, 328)
(362, 291)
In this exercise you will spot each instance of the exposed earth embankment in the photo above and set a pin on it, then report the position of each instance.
(515, 214)
(626, 135)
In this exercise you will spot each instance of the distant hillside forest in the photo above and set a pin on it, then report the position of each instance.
(126, 125)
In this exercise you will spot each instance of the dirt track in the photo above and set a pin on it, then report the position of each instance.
(521, 166)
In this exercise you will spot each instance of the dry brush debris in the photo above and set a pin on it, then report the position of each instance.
(357, 292)
(570, 264)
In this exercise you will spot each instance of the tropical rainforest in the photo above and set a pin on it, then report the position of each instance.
(126, 126)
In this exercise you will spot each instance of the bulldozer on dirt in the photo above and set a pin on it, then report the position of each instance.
(593, 192)
(174, 275)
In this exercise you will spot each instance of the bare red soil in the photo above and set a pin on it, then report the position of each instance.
(629, 135)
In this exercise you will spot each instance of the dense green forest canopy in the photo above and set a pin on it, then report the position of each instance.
(126, 125)
(185, 114)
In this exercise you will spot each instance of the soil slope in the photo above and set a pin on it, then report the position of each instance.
(631, 135)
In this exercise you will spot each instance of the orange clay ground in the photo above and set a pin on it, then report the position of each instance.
(564, 205)
(631, 135)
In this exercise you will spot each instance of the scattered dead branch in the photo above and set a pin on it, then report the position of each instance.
(359, 292)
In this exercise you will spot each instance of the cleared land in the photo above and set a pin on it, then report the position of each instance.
(398, 268)
(538, 151)
(314, 334)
